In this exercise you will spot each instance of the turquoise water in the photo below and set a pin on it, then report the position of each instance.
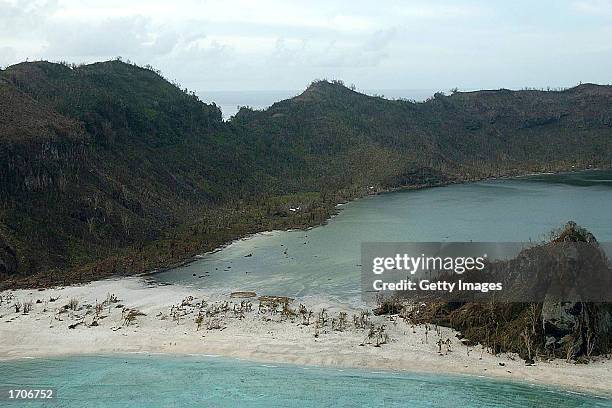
(218, 382)
(325, 260)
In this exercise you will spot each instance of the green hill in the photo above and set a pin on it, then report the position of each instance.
(110, 169)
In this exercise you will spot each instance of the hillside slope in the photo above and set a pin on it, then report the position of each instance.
(108, 168)
(465, 134)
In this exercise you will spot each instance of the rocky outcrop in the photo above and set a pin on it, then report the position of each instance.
(564, 310)
(577, 328)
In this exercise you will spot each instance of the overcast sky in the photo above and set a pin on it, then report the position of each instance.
(280, 45)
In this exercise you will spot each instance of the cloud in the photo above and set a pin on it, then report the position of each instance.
(437, 11)
(17, 18)
(594, 7)
(276, 44)
(380, 39)
(22, 25)
(128, 36)
(7, 54)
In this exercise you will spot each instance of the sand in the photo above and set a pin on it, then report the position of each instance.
(259, 336)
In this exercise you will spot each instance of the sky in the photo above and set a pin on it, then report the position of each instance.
(284, 45)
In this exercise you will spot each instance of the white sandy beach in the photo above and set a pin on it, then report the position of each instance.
(258, 336)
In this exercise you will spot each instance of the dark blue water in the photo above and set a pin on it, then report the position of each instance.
(218, 382)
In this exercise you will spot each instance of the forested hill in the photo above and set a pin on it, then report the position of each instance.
(463, 135)
(110, 169)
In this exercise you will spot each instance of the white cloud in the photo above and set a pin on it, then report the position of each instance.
(8, 54)
(134, 36)
(594, 7)
(277, 44)
(431, 10)
(21, 26)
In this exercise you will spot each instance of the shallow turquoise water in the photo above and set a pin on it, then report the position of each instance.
(325, 260)
(219, 382)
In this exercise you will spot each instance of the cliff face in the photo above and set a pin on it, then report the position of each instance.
(575, 329)
(579, 328)
(109, 158)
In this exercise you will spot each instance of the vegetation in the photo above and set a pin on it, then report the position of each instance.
(129, 316)
(573, 330)
(109, 169)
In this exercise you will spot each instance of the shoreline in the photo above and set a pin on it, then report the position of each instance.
(257, 336)
(595, 392)
(338, 206)
(82, 274)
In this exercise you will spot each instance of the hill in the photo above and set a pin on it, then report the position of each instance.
(564, 313)
(108, 168)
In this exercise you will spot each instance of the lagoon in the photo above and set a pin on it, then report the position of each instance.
(325, 260)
